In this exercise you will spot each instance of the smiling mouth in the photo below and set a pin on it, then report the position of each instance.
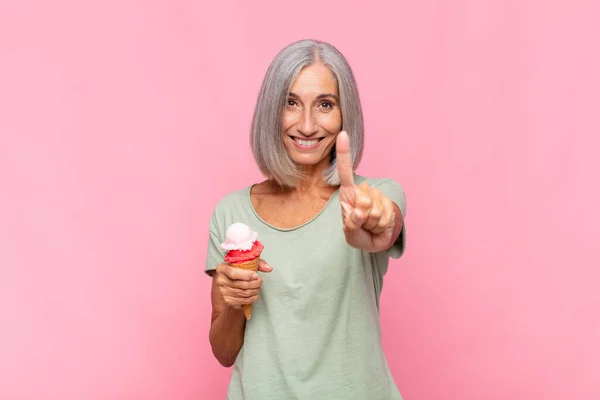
(306, 142)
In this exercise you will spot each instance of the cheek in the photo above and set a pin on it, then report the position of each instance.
(288, 119)
(332, 122)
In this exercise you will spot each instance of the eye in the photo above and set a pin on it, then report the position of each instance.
(291, 103)
(326, 105)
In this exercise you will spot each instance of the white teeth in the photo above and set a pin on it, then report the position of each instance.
(306, 142)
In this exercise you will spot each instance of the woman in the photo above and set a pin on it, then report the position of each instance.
(327, 234)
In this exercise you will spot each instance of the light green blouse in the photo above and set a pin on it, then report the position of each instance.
(314, 332)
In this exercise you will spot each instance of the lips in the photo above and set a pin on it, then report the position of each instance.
(306, 142)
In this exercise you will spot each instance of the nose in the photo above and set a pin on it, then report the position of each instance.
(308, 125)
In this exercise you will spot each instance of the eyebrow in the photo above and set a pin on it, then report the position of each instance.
(319, 97)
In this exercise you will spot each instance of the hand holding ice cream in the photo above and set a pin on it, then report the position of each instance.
(243, 252)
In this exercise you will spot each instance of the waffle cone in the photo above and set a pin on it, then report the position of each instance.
(251, 265)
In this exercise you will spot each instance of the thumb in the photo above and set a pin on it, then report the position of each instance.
(343, 158)
(264, 267)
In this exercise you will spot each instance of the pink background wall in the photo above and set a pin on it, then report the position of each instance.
(115, 117)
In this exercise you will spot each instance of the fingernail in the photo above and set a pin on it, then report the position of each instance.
(346, 207)
(255, 276)
(356, 216)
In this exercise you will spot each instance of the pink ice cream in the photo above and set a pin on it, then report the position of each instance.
(241, 244)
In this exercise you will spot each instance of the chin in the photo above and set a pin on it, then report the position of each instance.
(306, 161)
(311, 162)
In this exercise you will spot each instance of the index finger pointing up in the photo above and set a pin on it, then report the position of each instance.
(344, 160)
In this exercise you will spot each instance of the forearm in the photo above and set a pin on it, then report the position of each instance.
(227, 335)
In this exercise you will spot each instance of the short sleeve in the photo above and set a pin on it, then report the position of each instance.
(214, 254)
(395, 192)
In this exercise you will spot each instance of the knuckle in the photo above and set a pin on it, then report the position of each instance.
(223, 267)
(245, 300)
(220, 281)
(389, 204)
(364, 201)
(229, 301)
(384, 220)
(376, 213)
(244, 285)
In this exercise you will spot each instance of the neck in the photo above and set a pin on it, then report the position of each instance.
(312, 177)
(312, 181)
(309, 184)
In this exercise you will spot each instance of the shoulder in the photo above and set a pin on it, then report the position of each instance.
(243, 194)
(378, 182)
(225, 206)
(232, 198)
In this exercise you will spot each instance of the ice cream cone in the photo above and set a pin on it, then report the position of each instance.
(243, 251)
(251, 265)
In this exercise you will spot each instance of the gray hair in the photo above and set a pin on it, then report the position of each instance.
(265, 137)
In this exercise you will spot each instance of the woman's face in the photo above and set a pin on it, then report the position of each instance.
(312, 117)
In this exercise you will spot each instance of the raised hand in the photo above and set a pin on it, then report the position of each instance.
(368, 216)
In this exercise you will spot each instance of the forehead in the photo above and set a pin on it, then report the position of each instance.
(315, 79)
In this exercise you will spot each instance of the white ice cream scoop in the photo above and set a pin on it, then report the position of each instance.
(239, 236)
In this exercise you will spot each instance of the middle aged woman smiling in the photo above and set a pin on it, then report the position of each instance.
(328, 235)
